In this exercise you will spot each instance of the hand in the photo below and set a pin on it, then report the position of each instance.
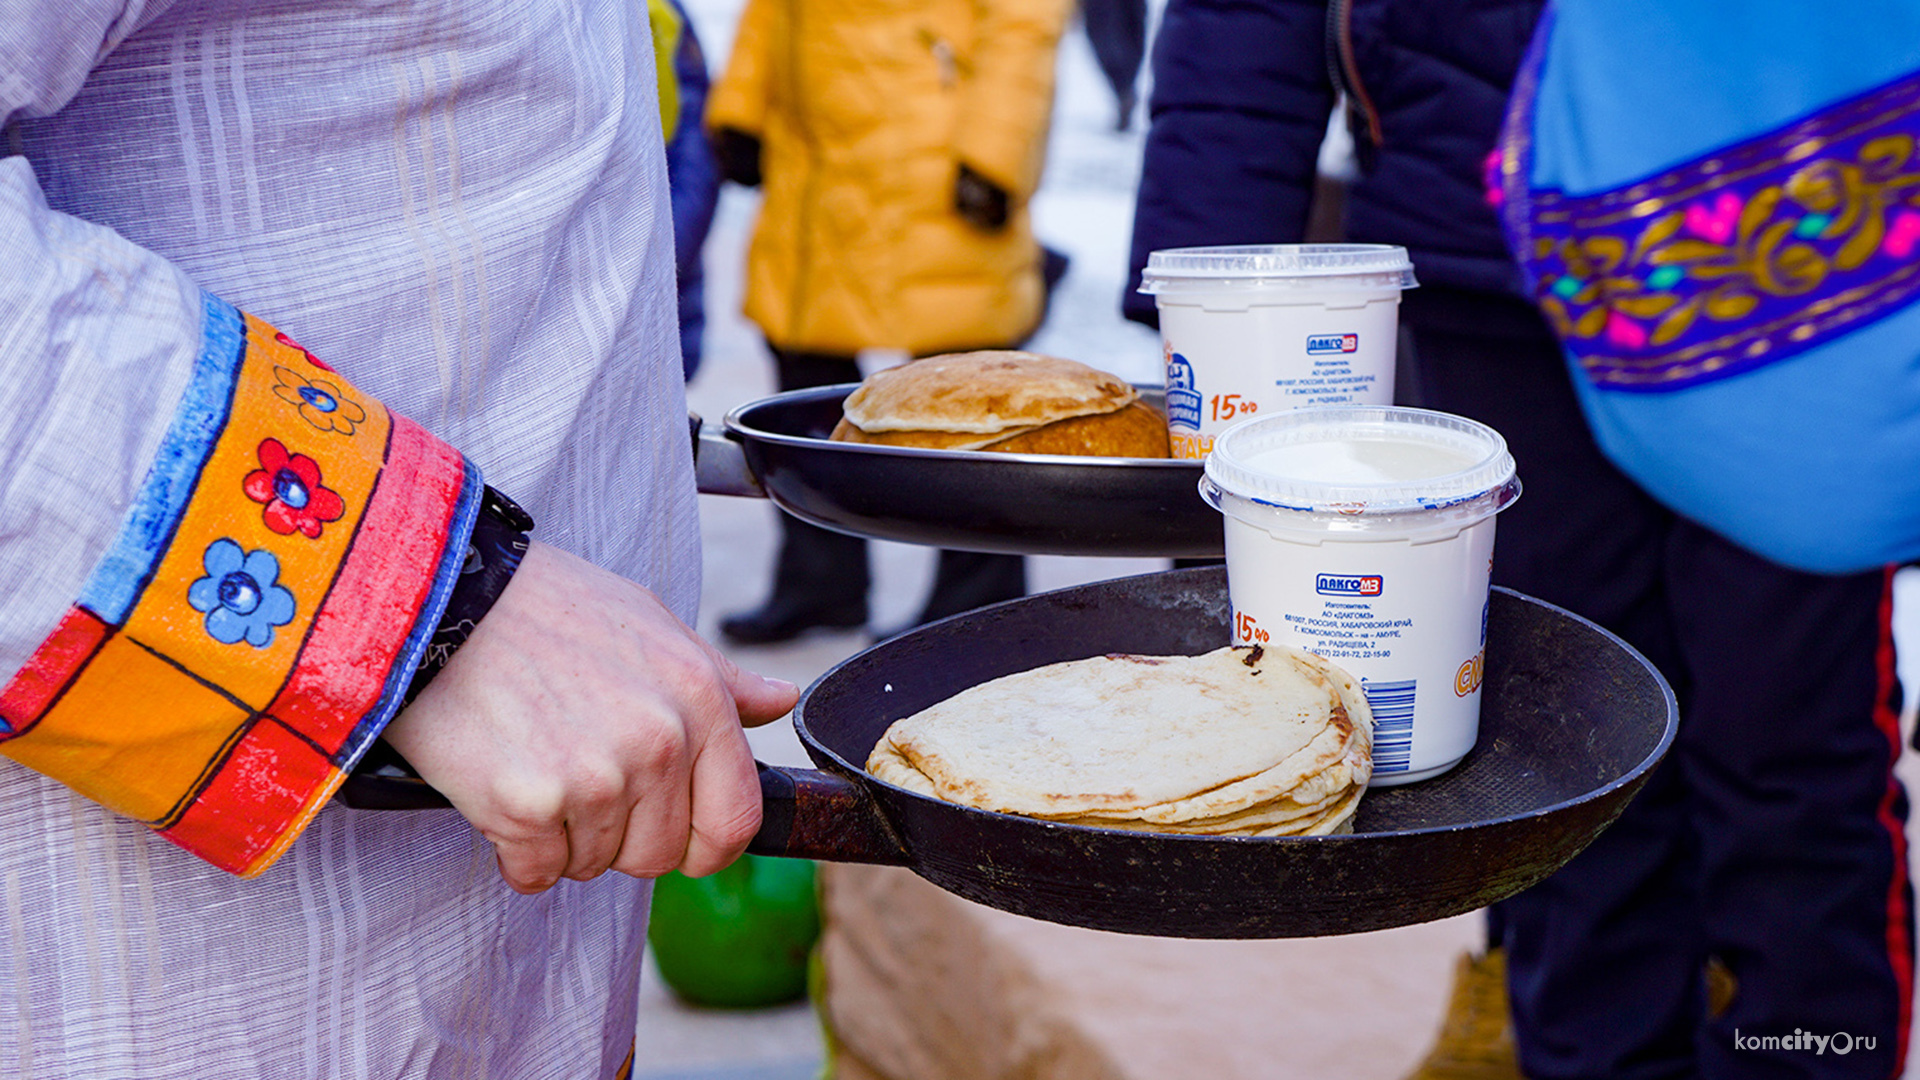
(738, 155)
(584, 728)
(980, 200)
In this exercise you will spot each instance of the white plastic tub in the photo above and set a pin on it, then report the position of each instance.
(1247, 331)
(1365, 534)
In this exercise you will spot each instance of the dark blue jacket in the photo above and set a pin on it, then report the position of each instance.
(693, 187)
(1241, 94)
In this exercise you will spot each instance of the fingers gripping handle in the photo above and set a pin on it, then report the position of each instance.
(806, 814)
(810, 814)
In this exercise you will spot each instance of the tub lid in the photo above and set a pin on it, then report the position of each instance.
(1363, 460)
(1268, 265)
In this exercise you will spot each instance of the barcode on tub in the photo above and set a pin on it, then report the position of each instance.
(1392, 704)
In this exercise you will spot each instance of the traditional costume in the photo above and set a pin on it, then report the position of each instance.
(267, 267)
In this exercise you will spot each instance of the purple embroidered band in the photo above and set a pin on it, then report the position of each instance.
(1738, 259)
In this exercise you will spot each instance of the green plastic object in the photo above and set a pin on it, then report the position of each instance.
(739, 938)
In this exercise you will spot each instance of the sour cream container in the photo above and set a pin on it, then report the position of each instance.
(1251, 330)
(1365, 534)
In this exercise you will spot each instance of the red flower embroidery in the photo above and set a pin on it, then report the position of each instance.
(281, 337)
(289, 485)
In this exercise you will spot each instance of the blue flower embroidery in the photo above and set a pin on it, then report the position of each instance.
(240, 596)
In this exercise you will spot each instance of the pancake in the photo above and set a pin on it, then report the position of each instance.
(1242, 740)
(1000, 393)
(1135, 430)
(845, 431)
(1138, 430)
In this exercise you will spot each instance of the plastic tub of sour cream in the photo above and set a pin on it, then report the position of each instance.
(1257, 329)
(1365, 534)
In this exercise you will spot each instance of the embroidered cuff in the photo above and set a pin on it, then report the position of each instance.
(259, 617)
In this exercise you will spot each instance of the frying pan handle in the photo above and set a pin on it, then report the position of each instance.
(809, 814)
(720, 463)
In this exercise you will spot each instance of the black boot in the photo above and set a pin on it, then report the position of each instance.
(821, 577)
(964, 580)
(820, 581)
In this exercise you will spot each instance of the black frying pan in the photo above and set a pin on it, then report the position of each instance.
(1026, 504)
(1571, 722)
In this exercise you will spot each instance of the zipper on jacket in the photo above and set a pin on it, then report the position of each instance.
(1346, 73)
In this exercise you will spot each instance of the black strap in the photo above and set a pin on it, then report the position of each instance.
(494, 551)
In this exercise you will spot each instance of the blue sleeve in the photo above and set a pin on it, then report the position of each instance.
(1241, 96)
(693, 183)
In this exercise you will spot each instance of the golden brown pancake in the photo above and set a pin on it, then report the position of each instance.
(1137, 430)
(1258, 741)
(983, 393)
(1004, 401)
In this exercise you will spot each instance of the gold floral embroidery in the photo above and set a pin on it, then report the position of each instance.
(1744, 257)
(321, 403)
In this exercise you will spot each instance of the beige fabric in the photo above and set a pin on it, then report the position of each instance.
(922, 985)
(987, 392)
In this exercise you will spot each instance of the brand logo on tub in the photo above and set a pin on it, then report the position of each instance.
(1321, 344)
(1183, 401)
(1348, 584)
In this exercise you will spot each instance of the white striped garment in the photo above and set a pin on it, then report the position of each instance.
(461, 204)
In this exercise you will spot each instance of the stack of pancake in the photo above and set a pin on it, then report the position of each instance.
(1252, 741)
(1004, 401)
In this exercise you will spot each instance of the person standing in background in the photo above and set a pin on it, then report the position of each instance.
(1118, 31)
(1769, 845)
(898, 146)
(693, 178)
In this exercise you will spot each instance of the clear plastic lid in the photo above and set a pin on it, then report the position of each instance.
(1266, 265)
(1360, 463)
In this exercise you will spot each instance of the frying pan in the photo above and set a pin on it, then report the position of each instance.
(1024, 504)
(1572, 721)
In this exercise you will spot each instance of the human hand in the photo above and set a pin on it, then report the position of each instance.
(980, 200)
(584, 728)
(738, 155)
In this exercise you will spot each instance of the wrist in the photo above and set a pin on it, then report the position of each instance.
(499, 541)
(980, 200)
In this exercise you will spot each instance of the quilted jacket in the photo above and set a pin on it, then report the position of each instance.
(865, 110)
(1241, 97)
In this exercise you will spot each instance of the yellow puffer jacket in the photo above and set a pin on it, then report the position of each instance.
(865, 110)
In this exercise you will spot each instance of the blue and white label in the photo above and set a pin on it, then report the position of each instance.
(1329, 594)
(1183, 401)
(1392, 706)
(1323, 344)
(1348, 584)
